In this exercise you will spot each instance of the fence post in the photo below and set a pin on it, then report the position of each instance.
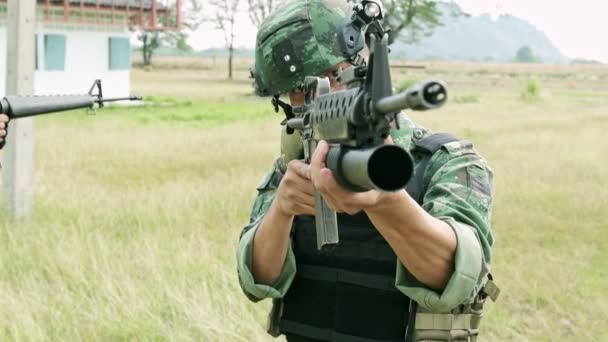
(18, 156)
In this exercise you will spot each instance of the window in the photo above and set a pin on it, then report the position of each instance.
(120, 53)
(54, 52)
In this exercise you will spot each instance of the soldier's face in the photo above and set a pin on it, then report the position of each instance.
(296, 97)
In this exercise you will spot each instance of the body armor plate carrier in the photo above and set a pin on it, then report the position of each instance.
(348, 294)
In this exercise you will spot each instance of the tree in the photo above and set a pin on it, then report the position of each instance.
(224, 18)
(192, 17)
(150, 41)
(260, 9)
(525, 55)
(411, 20)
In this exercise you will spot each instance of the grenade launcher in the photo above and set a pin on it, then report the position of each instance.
(356, 121)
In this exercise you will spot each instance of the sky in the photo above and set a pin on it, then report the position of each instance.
(579, 29)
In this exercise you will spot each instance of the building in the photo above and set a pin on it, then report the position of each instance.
(79, 41)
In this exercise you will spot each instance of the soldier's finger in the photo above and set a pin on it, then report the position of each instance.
(300, 168)
(317, 162)
(327, 183)
(326, 187)
(298, 183)
(296, 196)
(308, 200)
(320, 154)
(3, 118)
(306, 187)
(306, 209)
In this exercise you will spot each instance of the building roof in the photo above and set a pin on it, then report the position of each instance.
(134, 4)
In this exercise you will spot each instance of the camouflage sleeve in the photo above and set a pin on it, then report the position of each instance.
(459, 192)
(256, 292)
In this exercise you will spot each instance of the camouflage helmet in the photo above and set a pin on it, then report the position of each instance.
(298, 39)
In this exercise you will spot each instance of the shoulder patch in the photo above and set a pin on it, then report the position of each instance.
(459, 148)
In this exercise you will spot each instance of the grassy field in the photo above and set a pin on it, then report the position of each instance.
(138, 210)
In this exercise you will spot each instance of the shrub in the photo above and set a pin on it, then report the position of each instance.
(530, 91)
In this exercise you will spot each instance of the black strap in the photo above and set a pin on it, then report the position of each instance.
(410, 325)
(433, 142)
(287, 109)
(428, 146)
(374, 281)
(290, 327)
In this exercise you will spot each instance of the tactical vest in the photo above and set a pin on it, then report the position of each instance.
(348, 294)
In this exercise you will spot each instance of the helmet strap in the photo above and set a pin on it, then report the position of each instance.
(287, 109)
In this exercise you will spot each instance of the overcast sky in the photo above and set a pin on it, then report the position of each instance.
(578, 28)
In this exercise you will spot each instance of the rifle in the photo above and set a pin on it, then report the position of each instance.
(16, 107)
(356, 121)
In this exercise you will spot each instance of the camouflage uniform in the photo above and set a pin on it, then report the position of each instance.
(299, 40)
(458, 191)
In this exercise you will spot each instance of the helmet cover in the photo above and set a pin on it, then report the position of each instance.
(298, 39)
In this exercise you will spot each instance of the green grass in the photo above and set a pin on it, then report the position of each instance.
(138, 210)
(206, 113)
(466, 99)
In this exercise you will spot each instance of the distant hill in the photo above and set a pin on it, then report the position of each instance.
(479, 38)
(215, 52)
(464, 38)
(238, 52)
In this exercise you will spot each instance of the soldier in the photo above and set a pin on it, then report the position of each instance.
(411, 265)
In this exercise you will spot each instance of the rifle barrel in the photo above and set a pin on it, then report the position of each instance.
(116, 99)
(420, 96)
(24, 106)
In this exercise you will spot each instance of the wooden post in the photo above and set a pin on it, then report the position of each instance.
(47, 9)
(18, 171)
(128, 15)
(178, 20)
(66, 10)
(97, 11)
(82, 11)
(167, 16)
(153, 23)
(141, 15)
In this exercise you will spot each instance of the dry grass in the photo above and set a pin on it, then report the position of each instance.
(138, 213)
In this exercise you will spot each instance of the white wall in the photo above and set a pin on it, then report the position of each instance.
(86, 59)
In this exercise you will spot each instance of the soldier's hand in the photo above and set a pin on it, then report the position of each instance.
(3, 125)
(295, 194)
(339, 199)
